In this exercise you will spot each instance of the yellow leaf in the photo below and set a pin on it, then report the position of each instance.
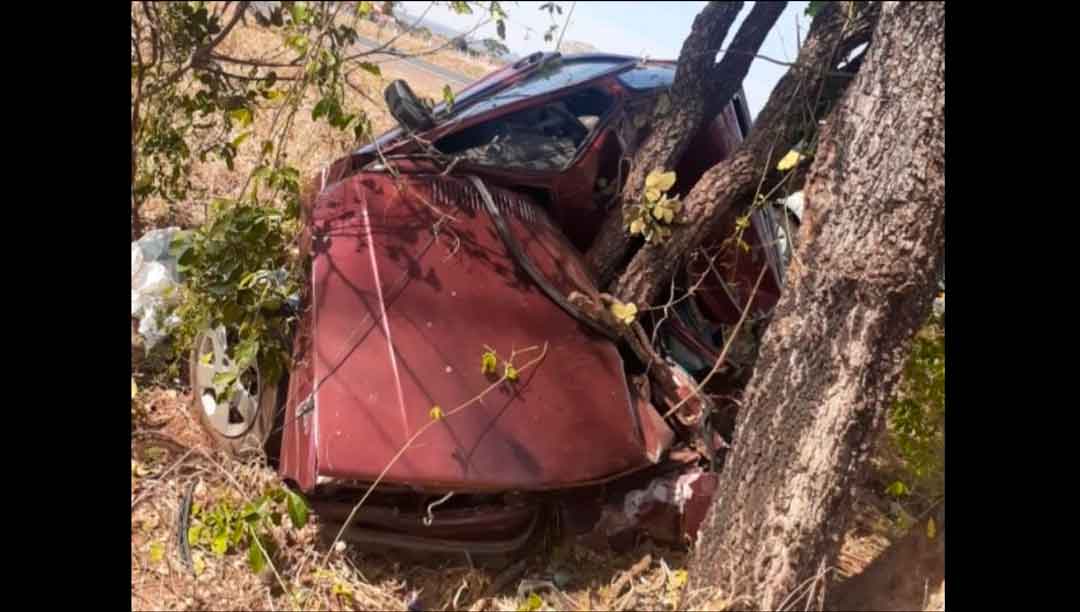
(790, 160)
(510, 372)
(134, 389)
(678, 579)
(652, 194)
(488, 362)
(157, 552)
(436, 413)
(532, 604)
(931, 529)
(624, 312)
(138, 469)
(660, 180)
(637, 226)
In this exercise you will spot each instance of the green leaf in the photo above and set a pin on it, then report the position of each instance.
(813, 8)
(220, 544)
(363, 9)
(239, 140)
(372, 68)
(224, 379)
(299, 12)
(297, 42)
(448, 97)
(256, 558)
(897, 489)
(194, 534)
(242, 116)
(323, 107)
(510, 372)
(298, 509)
(246, 353)
(157, 552)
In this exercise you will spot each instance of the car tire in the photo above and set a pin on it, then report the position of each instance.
(254, 433)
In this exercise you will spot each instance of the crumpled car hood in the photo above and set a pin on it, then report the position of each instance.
(401, 315)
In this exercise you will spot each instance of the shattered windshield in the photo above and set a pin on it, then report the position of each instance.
(545, 80)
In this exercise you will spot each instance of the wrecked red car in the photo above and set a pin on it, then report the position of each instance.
(445, 252)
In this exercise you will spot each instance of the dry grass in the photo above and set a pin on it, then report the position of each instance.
(650, 578)
(312, 144)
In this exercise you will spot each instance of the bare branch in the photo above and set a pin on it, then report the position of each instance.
(565, 25)
(202, 53)
(727, 76)
(249, 62)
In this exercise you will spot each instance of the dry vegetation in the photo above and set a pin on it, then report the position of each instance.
(647, 579)
(314, 144)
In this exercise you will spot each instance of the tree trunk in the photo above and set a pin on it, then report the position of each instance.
(863, 282)
(781, 125)
(695, 100)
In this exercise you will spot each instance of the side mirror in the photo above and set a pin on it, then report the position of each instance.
(406, 108)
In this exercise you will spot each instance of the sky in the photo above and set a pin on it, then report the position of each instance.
(652, 29)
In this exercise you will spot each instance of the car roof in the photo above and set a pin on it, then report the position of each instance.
(512, 71)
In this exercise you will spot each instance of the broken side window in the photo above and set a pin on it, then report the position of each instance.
(544, 138)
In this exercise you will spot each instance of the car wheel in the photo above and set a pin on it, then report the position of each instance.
(239, 422)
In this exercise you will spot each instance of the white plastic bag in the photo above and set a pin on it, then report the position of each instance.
(153, 283)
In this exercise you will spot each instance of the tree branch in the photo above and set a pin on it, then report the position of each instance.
(727, 76)
(201, 54)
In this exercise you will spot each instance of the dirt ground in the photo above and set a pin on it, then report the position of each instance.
(874, 572)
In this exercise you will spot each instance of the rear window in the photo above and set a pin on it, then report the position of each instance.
(648, 77)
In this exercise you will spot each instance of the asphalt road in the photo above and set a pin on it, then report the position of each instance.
(452, 77)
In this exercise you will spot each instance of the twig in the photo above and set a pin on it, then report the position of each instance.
(565, 25)
(723, 353)
(423, 428)
(634, 571)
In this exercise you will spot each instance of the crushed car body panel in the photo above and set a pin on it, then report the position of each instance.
(401, 314)
(410, 282)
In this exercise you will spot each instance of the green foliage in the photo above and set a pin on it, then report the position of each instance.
(917, 420)
(232, 269)
(227, 526)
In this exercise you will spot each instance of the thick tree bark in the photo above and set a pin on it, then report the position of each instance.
(872, 240)
(797, 102)
(693, 103)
